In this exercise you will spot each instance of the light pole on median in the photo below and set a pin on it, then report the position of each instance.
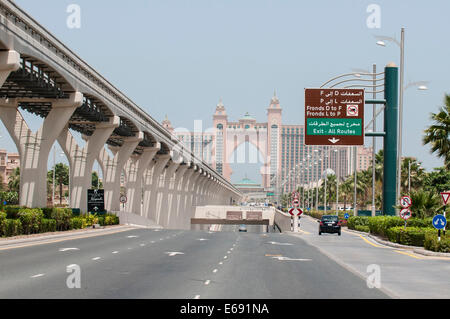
(401, 44)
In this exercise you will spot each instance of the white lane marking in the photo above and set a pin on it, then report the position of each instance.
(174, 253)
(215, 270)
(130, 248)
(142, 245)
(231, 248)
(96, 258)
(161, 239)
(156, 230)
(132, 236)
(202, 239)
(221, 263)
(225, 257)
(291, 259)
(207, 282)
(38, 275)
(197, 297)
(67, 249)
(228, 252)
(152, 241)
(281, 244)
(115, 252)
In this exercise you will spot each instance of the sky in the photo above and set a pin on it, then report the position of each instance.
(179, 57)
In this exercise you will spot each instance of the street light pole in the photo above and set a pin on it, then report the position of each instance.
(400, 112)
(54, 169)
(374, 126)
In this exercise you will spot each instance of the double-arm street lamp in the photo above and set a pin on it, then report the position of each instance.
(421, 86)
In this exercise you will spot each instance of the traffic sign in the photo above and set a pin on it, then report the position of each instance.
(96, 200)
(405, 213)
(295, 211)
(405, 201)
(295, 202)
(445, 197)
(346, 215)
(439, 222)
(123, 199)
(334, 116)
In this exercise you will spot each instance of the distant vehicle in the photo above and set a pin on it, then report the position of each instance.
(329, 224)
(243, 228)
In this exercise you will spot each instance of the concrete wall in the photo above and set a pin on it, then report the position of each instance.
(219, 211)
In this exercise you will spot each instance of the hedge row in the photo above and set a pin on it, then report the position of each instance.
(23, 221)
(432, 243)
(411, 236)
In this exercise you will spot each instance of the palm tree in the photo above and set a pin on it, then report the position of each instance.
(346, 190)
(410, 166)
(437, 135)
(61, 178)
(424, 204)
(14, 181)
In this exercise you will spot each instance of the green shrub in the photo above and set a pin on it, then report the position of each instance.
(101, 221)
(354, 221)
(11, 227)
(47, 225)
(12, 211)
(362, 228)
(420, 222)
(432, 243)
(77, 223)
(2, 223)
(31, 219)
(62, 217)
(111, 219)
(90, 219)
(411, 236)
(47, 211)
(379, 225)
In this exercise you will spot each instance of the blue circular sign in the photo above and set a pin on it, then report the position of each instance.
(439, 222)
(346, 215)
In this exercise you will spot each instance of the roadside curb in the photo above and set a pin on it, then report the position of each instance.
(415, 249)
(87, 233)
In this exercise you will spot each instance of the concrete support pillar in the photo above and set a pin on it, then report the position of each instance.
(182, 207)
(166, 192)
(199, 189)
(81, 160)
(192, 187)
(113, 167)
(151, 198)
(9, 62)
(135, 168)
(174, 216)
(34, 148)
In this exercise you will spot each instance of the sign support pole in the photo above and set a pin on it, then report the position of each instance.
(390, 139)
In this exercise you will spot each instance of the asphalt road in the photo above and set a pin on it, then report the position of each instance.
(403, 273)
(144, 263)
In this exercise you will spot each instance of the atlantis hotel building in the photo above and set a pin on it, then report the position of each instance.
(286, 162)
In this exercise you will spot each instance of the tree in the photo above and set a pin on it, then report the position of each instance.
(14, 181)
(437, 181)
(416, 172)
(96, 183)
(437, 135)
(424, 204)
(61, 177)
